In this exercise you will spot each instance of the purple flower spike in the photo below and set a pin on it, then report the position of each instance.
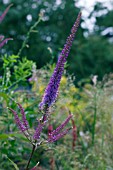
(56, 134)
(61, 127)
(17, 120)
(38, 131)
(57, 137)
(4, 42)
(25, 122)
(4, 13)
(51, 91)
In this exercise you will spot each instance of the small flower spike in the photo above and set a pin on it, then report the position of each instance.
(58, 133)
(24, 120)
(2, 40)
(51, 91)
(38, 130)
(59, 128)
(23, 125)
(41, 124)
(17, 120)
(4, 13)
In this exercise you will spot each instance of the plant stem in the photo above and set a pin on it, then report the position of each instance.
(33, 149)
(28, 35)
(94, 121)
(103, 130)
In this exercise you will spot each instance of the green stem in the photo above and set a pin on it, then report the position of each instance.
(94, 120)
(102, 118)
(3, 79)
(28, 35)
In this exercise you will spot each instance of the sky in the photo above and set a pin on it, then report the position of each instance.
(88, 5)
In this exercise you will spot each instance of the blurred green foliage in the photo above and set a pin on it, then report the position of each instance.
(91, 54)
(91, 101)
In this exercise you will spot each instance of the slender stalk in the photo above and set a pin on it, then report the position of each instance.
(3, 79)
(28, 35)
(94, 119)
(28, 138)
(103, 130)
(33, 149)
(84, 119)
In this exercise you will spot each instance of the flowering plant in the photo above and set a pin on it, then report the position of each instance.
(48, 99)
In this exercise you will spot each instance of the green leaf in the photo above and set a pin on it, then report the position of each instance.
(4, 136)
(15, 165)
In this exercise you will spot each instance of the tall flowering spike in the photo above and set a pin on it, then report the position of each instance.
(51, 92)
(4, 13)
(24, 120)
(17, 120)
